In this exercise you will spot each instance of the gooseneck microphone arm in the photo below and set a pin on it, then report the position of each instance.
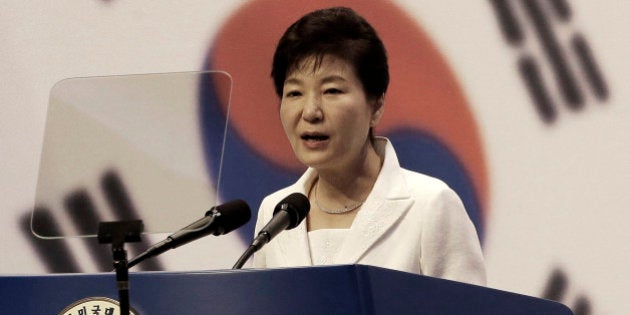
(278, 223)
(174, 240)
(288, 214)
(218, 220)
(243, 259)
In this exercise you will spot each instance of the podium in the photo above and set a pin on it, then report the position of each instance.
(342, 289)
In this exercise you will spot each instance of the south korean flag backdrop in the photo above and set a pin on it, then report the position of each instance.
(520, 106)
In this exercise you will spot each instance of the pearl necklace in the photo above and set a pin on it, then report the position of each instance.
(335, 211)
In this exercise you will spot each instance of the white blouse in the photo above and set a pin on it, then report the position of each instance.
(325, 244)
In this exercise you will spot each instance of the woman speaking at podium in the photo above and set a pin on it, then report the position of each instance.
(331, 74)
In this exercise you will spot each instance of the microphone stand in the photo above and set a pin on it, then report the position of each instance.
(241, 261)
(263, 238)
(117, 233)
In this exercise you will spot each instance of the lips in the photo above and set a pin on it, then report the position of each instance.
(314, 136)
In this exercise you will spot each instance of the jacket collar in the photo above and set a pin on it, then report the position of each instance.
(385, 205)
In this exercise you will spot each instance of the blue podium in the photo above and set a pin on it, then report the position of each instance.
(343, 289)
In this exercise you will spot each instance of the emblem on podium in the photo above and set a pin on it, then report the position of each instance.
(94, 305)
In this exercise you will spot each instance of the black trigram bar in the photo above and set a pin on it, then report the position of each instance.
(512, 31)
(53, 253)
(590, 68)
(556, 286)
(535, 84)
(86, 219)
(123, 209)
(561, 9)
(582, 306)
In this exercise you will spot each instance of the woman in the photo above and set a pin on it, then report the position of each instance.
(330, 72)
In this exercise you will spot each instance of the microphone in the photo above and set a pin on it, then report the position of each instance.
(218, 220)
(288, 214)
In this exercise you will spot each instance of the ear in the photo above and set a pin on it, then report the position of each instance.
(379, 108)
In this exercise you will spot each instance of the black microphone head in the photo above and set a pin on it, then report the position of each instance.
(297, 206)
(230, 216)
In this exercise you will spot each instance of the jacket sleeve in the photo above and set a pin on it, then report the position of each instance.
(450, 247)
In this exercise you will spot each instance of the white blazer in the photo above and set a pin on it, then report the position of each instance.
(409, 222)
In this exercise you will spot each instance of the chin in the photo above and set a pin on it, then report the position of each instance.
(311, 161)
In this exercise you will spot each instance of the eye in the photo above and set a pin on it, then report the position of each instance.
(333, 91)
(292, 93)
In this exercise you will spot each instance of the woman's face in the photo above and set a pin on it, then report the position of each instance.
(326, 115)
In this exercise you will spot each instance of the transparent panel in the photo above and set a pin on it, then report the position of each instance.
(130, 147)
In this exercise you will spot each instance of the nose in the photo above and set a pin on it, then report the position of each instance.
(312, 111)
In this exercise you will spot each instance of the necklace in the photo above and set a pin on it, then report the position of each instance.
(335, 211)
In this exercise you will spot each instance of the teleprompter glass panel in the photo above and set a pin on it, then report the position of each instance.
(130, 147)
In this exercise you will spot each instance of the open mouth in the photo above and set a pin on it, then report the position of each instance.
(314, 137)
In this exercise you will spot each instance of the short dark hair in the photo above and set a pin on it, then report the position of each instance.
(339, 32)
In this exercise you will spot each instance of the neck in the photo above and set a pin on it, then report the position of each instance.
(352, 181)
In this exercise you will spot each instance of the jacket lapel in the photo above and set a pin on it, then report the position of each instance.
(386, 204)
(294, 243)
(372, 222)
(295, 247)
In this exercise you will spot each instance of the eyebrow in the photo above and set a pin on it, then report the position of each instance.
(327, 79)
(333, 78)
